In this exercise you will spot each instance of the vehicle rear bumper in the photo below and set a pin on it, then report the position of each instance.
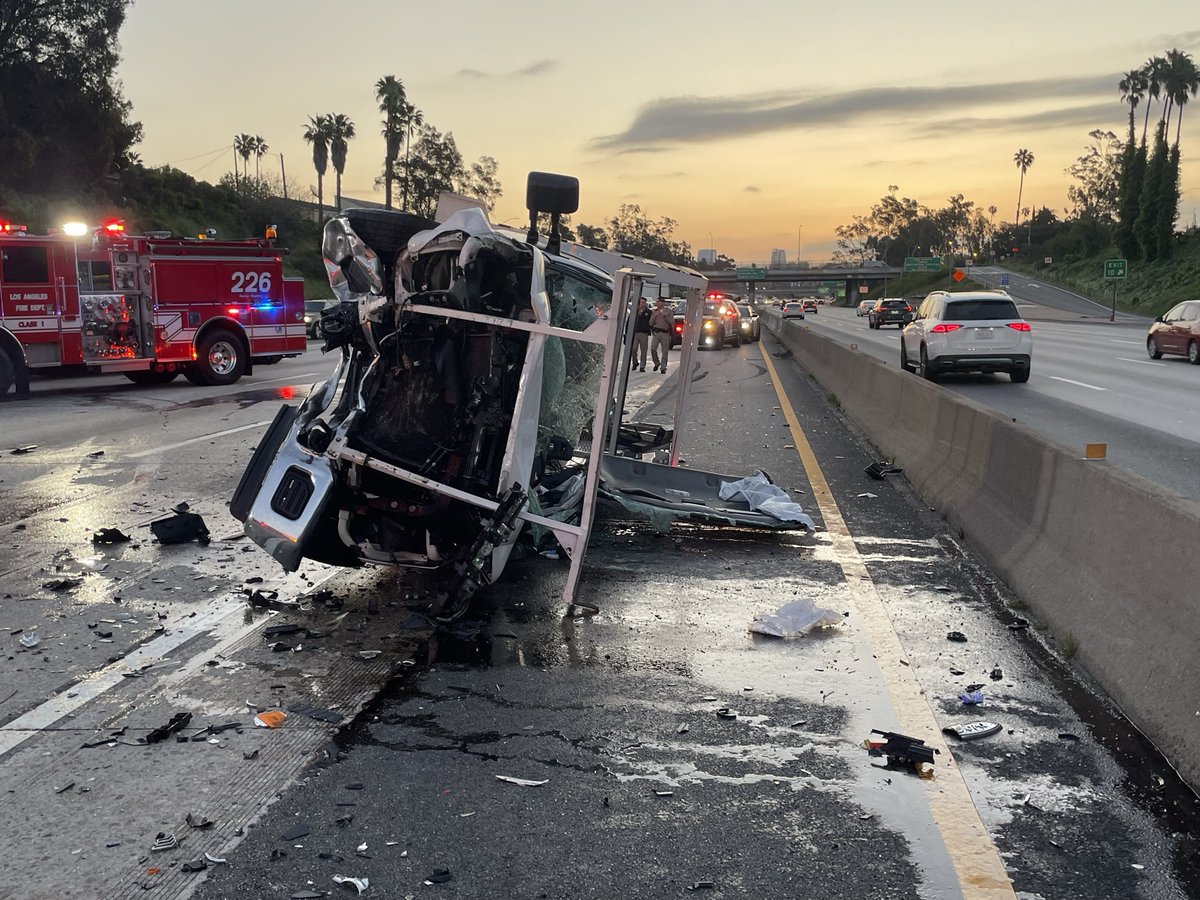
(995, 362)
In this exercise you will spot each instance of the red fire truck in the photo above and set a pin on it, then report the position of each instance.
(149, 307)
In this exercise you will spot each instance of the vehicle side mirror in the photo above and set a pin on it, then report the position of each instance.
(1159, 319)
(549, 193)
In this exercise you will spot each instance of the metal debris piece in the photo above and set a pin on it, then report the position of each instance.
(180, 529)
(973, 730)
(868, 495)
(957, 672)
(794, 619)
(250, 754)
(308, 895)
(664, 793)
(164, 841)
(361, 883)
(682, 729)
(523, 782)
(20, 451)
(195, 821)
(877, 470)
(1067, 736)
(66, 787)
(272, 631)
(369, 654)
(216, 860)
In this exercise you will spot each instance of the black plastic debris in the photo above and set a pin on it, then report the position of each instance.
(178, 722)
(355, 786)
(957, 636)
(308, 895)
(180, 529)
(957, 672)
(296, 831)
(316, 712)
(726, 713)
(21, 451)
(274, 631)
(1019, 625)
(66, 787)
(878, 469)
(701, 886)
(997, 674)
(195, 865)
(971, 731)
(195, 821)
(181, 507)
(439, 876)
(343, 820)
(110, 536)
(63, 584)
(900, 748)
(1067, 736)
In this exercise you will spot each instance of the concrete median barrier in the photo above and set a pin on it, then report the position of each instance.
(1107, 559)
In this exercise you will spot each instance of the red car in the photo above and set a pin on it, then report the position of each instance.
(1177, 331)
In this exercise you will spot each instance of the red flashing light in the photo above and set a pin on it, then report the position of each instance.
(233, 311)
(1019, 326)
(9, 228)
(114, 227)
(944, 328)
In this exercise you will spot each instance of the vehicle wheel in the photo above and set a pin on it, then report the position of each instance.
(1019, 376)
(7, 372)
(1193, 353)
(904, 363)
(220, 359)
(1152, 348)
(870, 323)
(386, 231)
(926, 372)
(152, 377)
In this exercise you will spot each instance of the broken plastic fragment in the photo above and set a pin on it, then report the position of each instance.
(997, 674)
(867, 495)
(972, 730)
(664, 793)
(164, 841)
(523, 782)
(877, 470)
(298, 830)
(195, 865)
(178, 721)
(29, 641)
(369, 654)
(361, 883)
(973, 698)
(180, 528)
(726, 713)
(195, 821)
(701, 886)
(271, 718)
(794, 619)
(110, 536)
(957, 636)
(215, 860)
(439, 876)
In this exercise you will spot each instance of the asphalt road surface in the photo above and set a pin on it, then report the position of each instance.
(1091, 382)
(385, 767)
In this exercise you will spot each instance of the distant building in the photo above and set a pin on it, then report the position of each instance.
(707, 255)
(778, 258)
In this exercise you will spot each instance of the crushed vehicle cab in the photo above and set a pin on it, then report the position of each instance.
(476, 392)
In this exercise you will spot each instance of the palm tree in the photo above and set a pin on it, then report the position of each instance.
(1182, 79)
(1024, 159)
(1154, 70)
(390, 93)
(260, 150)
(243, 146)
(1133, 88)
(341, 130)
(413, 118)
(317, 134)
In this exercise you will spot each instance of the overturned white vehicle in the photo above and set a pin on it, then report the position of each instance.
(478, 372)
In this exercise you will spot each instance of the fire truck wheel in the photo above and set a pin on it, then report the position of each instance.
(151, 377)
(7, 375)
(220, 359)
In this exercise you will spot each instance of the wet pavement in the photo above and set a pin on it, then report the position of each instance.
(644, 789)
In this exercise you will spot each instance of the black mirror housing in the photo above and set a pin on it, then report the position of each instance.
(549, 193)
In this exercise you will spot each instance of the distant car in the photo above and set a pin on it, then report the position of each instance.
(890, 311)
(720, 324)
(793, 309)
(973, 331)
(864, 307)
(809, 306)
(1177, 332)
(749, 327)
(312, 316)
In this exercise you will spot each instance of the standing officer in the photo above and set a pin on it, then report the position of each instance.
(641, 336)
(661, 323)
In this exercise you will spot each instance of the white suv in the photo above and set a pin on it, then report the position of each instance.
(975, 331)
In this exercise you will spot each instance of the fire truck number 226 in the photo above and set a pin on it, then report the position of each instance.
(150, 308)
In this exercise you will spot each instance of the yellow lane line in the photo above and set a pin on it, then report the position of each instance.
(981, 873)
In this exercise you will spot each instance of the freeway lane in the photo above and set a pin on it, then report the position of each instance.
(1048, 299)
(1091, 383)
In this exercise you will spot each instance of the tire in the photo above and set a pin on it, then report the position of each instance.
(386, 231)
(1019, 376)
(1152, 348)
(221, 359)
(926, 372)
(1193, 353)
(152, 377)
(904, 363)
(8, 376)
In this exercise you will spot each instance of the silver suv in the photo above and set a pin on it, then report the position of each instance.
(973, 331)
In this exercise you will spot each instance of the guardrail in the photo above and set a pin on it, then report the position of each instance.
(1107, 559)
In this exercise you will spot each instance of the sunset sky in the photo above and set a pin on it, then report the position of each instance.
(746, 121)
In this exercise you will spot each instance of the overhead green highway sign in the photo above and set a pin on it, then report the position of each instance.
(922, 263)
(750, 273)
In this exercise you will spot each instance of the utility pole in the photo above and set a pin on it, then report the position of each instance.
(235, 168)
(799, 244)
(283, 176)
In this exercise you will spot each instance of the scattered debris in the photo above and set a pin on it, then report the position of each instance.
(973, 730)
(110, 536)
(195, 865)
(523, 782)
(971, 698)
(63, 584)
(216, 860)
(29, 641)
(867, 495)
(308, 895)
(682, 729)
(664, 793)
(878, 469)
(297, 831)
(726, 713)
(272, 631)
(702, 885)
(361, 883)
(439, 876)
(899, 748)
(368, 654)
(20, 451)
(180, 529)
(957, 672)
(271, 718)
(195, 821)
(794, 619)
(250, 754)
(1067, 736)
(66, 787)
(181, 507)
(164, 841)
(178, 722)
(997, 674)
(957, 636)
(1018, 625)
(316, 712)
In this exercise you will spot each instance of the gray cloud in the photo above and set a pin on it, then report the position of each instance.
(752, 189)
(1095, 115)
(540, 67)
(699, 119)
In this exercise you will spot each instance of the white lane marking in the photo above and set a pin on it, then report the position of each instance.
(203, 437)
(1119, 341)
(289, 378)
(1082, 384)
(1140, 362)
